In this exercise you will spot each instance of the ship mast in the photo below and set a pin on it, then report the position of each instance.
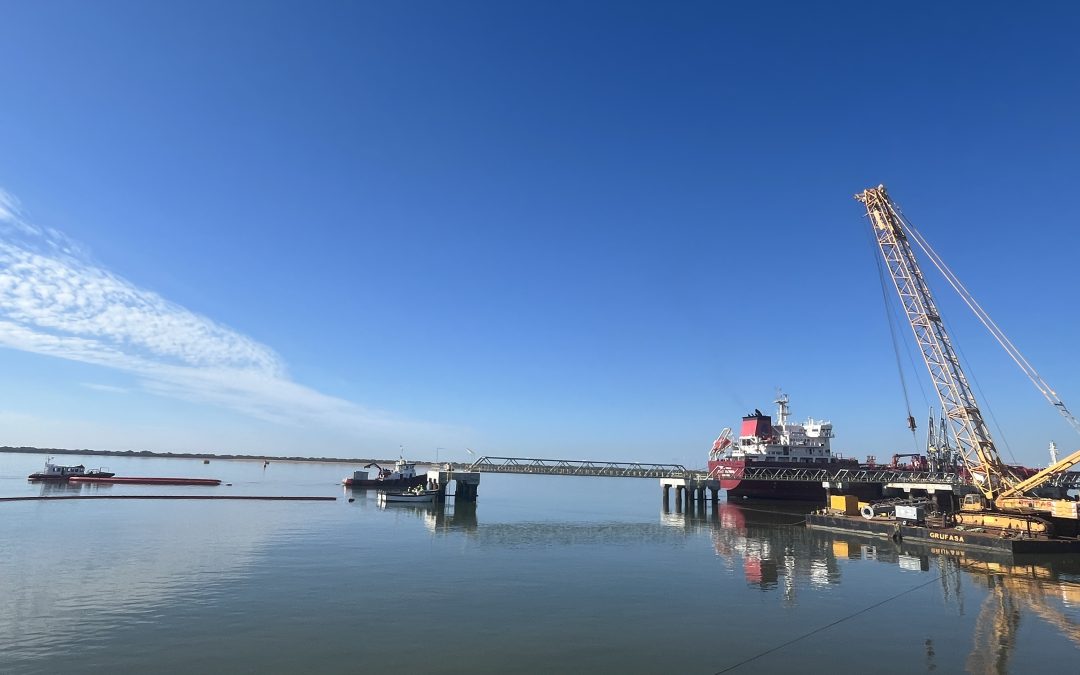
(782, 408)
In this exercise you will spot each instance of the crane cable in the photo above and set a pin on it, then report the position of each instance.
(984, 317)
(932, 254)
(892, 334)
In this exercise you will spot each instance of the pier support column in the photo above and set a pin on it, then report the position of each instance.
(465, 492)
(666, 490)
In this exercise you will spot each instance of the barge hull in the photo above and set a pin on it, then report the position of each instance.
(952, 537)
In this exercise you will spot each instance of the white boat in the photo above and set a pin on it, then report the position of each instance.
(414, 496)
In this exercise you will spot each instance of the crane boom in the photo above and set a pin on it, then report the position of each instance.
(976, 447)
(1042, 476)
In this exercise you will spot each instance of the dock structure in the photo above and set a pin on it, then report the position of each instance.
(691, 488)
(690, 485)
(695, 485)
(467, 483)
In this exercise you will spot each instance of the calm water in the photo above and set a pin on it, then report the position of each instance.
(544, 574)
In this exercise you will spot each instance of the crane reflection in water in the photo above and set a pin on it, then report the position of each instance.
(773, 551)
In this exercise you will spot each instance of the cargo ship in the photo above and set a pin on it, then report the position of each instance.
(783, 445)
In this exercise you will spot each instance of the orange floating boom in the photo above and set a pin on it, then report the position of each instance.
(136, 480)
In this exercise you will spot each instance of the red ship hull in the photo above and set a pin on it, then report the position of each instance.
(142, 480)
(730, 473)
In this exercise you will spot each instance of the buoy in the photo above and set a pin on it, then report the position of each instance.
(351, 500)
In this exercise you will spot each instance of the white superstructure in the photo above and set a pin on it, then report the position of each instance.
(760, 439)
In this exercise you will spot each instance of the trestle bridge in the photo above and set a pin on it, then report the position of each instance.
(693, 484)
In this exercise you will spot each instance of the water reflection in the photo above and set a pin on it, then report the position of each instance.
(80, 575)
(438, 518)
(1047, 588)
(58, 489)
(768, 545)
(461, 517)
(451, 517)
(774, 552)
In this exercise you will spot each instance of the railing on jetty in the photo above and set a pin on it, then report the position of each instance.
(570, 467)
(1069, 480)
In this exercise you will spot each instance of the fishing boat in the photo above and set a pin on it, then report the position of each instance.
(783, 445)
(417, 495)
(59, 473)
(403, 476)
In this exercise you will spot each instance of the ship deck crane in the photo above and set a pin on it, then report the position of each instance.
(1007, 501)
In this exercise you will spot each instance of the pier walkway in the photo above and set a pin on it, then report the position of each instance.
(693, 484)
(573, 467)
(885, 475)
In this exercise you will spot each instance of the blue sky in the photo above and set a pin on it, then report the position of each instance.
(574, 230)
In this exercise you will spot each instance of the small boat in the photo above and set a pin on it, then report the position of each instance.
(403, 476)
(417, 495)
(61, 474)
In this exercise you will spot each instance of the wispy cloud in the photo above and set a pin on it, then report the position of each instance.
(112, 389)
(55, 300)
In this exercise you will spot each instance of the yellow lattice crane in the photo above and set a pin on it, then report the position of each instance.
(1007, 501)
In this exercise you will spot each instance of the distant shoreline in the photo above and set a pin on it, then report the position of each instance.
(200, 455)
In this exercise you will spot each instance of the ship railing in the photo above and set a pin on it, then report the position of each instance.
(818, 474)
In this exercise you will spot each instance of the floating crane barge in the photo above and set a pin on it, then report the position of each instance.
(1004, 513)
(935, 531)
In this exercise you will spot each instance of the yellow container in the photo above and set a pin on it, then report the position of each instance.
(846, 504)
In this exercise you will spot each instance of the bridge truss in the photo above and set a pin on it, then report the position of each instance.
(571, 467)
(568, 467)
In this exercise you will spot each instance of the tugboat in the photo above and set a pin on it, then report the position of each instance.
(784, 445)
(403, 477)
(58, 473)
